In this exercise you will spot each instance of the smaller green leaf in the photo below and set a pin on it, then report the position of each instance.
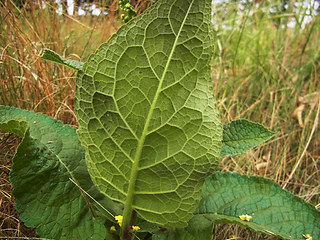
(49, 156)
(56, 58)
(198, 228)
(274, 211)
(241, 135)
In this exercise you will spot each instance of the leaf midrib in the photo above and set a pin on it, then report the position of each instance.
(135, 167)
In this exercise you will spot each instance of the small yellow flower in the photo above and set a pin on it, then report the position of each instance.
(113, 229)
(308, 236)
(119, 219)
(245, 217)
(135, 228)
(233, 237)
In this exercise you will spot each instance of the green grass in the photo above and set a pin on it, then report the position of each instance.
(261, 71)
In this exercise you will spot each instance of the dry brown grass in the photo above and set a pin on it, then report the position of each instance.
(31, 83)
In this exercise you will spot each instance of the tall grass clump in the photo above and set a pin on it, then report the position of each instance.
(267, 69)
(27, 81)
(31, 83)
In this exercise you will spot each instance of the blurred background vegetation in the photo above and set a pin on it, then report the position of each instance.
(266, 68)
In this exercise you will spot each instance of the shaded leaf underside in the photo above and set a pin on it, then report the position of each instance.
(146, 113)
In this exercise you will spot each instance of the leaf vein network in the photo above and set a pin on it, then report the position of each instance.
(122, 150)
(111, 162)
(118, 111)
(135, 167)
(170, 156)
(148, 59)
(172, 84)
(173, 115)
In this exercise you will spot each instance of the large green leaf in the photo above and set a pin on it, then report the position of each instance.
(274, 211)
(49, 154)
(146, 113)
(241, 135)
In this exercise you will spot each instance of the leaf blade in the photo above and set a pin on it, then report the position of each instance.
(50, 154)
(56, 58)
(241, 135)
(148, 106)
(274, 211)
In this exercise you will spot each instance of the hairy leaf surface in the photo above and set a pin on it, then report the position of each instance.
(56, 58)
(49, 154)
(146, 113)
(241, 135)
(274, 211)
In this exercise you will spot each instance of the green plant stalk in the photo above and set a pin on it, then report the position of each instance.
(134, 171)
(127, 213)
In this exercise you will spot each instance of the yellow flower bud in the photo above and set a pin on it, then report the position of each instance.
(245, 217)
(113, 229)
(307, 236)
(135, 228)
